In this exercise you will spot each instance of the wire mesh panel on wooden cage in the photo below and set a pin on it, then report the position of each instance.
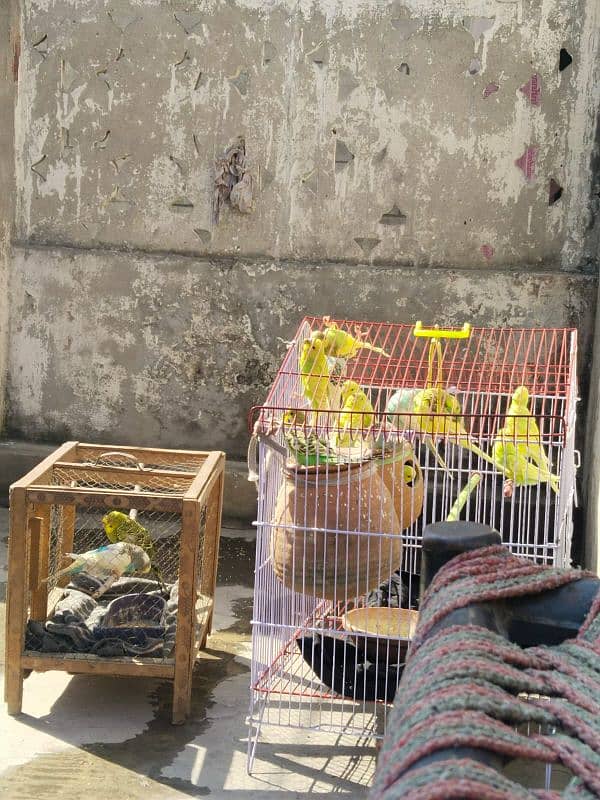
(112, 564)
(369, 433)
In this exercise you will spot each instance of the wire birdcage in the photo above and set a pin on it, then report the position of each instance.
(358, 447)
(112, 564)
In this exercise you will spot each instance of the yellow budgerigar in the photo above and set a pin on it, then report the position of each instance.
(314, 374)
(119, 527)
(517, 450)
(357, 414)
(520, 420)
(338, 343)
(442, 418)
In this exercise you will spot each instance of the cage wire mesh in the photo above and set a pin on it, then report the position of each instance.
(112, 576)
(358, 448)
(537, 774)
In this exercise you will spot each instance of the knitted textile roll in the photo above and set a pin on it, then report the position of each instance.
(463, 687)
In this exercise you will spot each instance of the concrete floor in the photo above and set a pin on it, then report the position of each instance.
(113, 738)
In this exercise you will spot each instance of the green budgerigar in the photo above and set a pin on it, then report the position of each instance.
(517, 450)
(119, 527)
(306, 447)
(107, 564)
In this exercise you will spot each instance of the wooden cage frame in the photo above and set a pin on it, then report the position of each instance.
(200, 507)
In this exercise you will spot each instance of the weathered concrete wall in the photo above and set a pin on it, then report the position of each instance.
(9, 61)
(592, 462)
(385, 139)
(175, 350)
(397, 124)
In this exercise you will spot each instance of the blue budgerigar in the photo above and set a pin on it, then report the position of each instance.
(107, 564)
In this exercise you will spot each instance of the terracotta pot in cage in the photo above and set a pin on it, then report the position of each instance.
(403, 479)
(336, 531)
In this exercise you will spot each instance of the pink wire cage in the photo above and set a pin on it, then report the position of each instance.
(349, 530)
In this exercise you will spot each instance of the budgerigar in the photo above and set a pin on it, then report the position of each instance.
(307, 448)
(107, 564)
(338, 343)
(520, 420)
(449, 424)
(400, 406)
(462, 498)
(517, 450)
(314, 374)
(357, 414)
(399, 410)
(119, 527)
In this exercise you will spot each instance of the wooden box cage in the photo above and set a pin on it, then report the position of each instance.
(135, 597)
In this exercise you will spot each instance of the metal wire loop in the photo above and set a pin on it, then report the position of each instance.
(118, 454)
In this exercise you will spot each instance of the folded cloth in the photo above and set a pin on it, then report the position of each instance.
(138, 624)
(390, 593)
(133, 623)
(66, 631)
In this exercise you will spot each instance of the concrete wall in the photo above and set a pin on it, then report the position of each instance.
(402, 157)
(350, 109)
(9, 64)
(175, 350)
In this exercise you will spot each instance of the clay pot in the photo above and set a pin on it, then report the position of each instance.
(327, 539)
(406, 492)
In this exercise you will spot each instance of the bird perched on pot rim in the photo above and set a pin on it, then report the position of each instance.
(304, 445)
(357, 414)
(307, 448)
(107, 564)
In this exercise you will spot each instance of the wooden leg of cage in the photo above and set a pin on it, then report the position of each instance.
(35, 533)
(182, 697)
(203, 619)
(66, 540)
(16, 607)
(185, 635)
(39, 537)
(210, 556)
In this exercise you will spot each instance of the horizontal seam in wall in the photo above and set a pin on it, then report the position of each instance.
(590, 271)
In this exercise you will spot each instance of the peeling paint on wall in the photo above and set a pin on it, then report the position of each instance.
(150, 121)
(385, 139)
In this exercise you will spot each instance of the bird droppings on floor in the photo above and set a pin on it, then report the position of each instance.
(81, 734)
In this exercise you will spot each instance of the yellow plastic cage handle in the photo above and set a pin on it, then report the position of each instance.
(435, 353)
(442, 333)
